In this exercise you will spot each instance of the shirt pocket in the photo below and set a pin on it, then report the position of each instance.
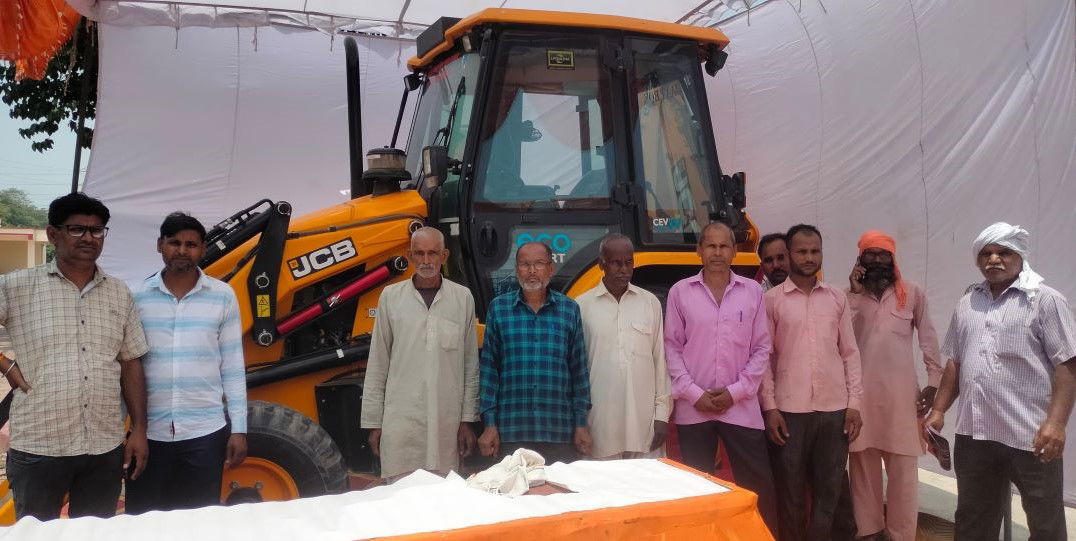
(642, 338)
(736, 331)
(900, 322)
(105, 324)
(449, 332)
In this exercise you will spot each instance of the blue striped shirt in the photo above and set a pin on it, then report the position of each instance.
(535, 386)
(194, 369)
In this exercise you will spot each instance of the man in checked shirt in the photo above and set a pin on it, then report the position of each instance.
(1011, 347)
(534, 384)
(194, 374)
(77, 345)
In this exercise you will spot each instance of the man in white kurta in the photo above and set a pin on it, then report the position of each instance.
(629, 383)
(421, 388)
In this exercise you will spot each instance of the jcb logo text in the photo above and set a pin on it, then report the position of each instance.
(322, 258)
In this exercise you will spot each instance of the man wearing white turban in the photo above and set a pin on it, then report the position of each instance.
(1011, 346)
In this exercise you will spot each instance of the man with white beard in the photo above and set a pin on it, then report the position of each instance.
(535, 382)
(424, 356)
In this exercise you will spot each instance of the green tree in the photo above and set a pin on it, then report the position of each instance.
(16, 210)
(53, 100)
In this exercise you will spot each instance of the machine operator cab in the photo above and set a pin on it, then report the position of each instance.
(562, 128)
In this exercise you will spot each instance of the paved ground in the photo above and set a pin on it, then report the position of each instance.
(937, 496)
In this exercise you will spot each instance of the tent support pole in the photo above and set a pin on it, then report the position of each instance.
(82, 33)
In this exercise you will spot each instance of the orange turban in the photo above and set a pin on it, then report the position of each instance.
(879, 240)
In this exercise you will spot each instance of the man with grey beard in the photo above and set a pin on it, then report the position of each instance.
(535, 388)
(424, 354)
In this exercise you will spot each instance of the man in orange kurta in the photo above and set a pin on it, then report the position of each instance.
(885, 311)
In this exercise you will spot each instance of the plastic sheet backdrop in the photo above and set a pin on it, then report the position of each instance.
(928, 119)
(212, 120)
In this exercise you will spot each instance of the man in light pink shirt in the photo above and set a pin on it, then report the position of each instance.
(885, 310)
(810, 391)
(717, 345)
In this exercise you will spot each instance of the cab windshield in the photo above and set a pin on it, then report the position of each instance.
(444, 110)
(547, 137)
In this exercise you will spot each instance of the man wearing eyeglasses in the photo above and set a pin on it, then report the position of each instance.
(77, 344)
(534, 383)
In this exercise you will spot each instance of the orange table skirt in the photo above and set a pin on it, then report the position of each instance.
(729, 516)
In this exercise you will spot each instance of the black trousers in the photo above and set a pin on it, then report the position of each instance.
(39, 484)
(844, 520)
(983, 471)
(180, 474)
(814, 456)
(748, 456)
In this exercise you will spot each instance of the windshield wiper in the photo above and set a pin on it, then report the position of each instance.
(446, 131)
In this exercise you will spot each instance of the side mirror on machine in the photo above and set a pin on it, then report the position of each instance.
(434, 165)
(732, 190)
(715, 59)
(737, 190)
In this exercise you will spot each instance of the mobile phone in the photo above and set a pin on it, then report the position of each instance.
(939, 447)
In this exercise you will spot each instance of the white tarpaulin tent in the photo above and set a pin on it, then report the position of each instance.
(928, 118)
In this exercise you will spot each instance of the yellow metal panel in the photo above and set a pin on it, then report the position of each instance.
(594, 274)
(297, 392)
(386, 235)
(7, 509)
(580, 20)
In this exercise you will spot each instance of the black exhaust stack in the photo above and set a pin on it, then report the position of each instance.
(354, 118)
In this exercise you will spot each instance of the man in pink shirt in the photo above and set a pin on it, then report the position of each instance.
(717, 345)
(810, 391)
(885, 310)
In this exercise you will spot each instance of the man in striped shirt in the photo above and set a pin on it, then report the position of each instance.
(194, 374)
(1011, 347)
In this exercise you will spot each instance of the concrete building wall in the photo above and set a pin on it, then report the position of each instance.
(21, 248)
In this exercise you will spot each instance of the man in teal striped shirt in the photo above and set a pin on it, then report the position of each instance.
(195, 377)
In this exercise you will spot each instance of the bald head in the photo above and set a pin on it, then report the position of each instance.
(534, 248)
(614, 242)
(428, 234)
(718, 228)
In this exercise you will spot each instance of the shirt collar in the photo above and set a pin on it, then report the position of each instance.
(984, 287)
(734, 278)
(602, 290)
(52, 268)
(551, 297)
(788, 286)
(157, 282)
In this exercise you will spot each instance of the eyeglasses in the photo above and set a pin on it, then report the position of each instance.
(96, 231)
(534, 265)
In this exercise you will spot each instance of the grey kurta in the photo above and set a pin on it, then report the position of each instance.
(421, 377)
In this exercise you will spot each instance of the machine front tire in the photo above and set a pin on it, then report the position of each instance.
(301, 448)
